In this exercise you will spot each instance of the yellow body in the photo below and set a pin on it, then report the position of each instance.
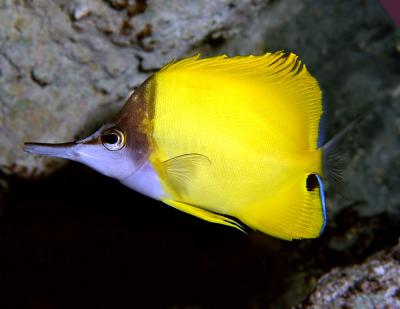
(238, 136)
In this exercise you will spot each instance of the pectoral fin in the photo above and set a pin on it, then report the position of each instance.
(177, 172)
(203, 214)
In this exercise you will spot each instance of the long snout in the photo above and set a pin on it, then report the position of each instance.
(62, 150)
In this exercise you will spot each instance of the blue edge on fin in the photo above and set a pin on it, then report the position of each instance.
(322, 196)
(321, 139)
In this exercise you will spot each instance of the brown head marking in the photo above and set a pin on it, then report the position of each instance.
(136, 120)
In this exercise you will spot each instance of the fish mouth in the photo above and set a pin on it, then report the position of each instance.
(61, 150)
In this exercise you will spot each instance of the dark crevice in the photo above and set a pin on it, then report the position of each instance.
(141, 68)
(215, 39)
(35, 79)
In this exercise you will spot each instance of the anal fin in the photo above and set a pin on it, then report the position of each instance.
(203, 214)
(297, 211)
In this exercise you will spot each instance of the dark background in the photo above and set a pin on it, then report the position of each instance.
(78, 239)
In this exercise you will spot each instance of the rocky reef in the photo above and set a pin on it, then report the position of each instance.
(66, 66)
(372, 284)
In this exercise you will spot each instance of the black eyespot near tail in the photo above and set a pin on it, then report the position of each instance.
(314, 182)
(311, 182)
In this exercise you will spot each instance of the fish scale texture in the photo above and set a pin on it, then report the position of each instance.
(233, 112)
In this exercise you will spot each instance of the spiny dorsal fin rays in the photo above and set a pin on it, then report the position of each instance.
(270, 64)
(280, 75)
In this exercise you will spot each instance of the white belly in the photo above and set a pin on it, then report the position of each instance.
(145, 181)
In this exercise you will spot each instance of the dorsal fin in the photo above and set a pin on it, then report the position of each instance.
(282, 82)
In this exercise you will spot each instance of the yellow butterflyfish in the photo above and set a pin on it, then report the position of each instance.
(231, 140)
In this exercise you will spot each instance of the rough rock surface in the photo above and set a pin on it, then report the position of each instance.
(67, 65)
(372, 284)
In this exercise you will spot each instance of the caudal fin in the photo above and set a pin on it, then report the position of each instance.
(332, 160)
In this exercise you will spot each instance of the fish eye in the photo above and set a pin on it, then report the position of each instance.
(113, 139)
